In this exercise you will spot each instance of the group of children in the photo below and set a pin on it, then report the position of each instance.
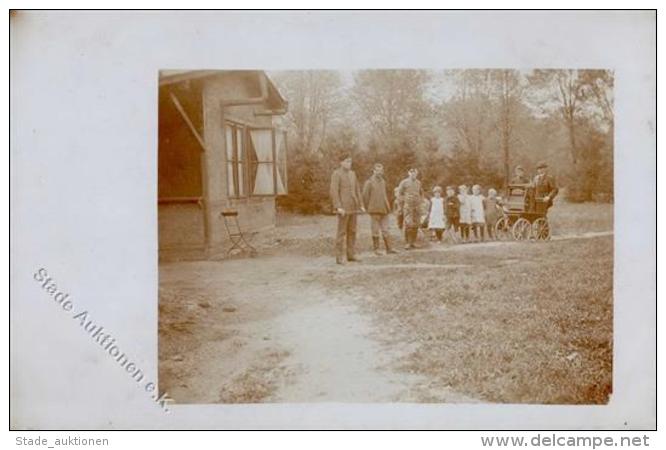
(464, 216)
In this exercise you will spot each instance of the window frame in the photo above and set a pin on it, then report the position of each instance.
(273, 161)
(285, 179)
(242, 164)
(257, 163)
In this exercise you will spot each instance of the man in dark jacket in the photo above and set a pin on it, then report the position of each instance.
(411, 194)
(347, 202)
(545, 186)
(452, 210)
(377, 205)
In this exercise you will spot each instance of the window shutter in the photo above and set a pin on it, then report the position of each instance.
(240, 159)
(231, 187)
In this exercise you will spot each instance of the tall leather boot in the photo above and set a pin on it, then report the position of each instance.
(387, 244)
(375, 245)
(351, 247)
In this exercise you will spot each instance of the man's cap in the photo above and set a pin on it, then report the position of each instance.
(519, 167)
(542, 165)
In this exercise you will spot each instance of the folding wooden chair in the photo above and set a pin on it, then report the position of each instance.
(235, 233)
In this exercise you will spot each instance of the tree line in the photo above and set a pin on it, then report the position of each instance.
(456, 126)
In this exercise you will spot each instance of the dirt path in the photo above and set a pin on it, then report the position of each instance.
(337, 359)
(564, 237)
(271, 334)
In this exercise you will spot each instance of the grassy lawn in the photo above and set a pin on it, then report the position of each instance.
(575, 218)
(512, 322)
(314, 235)
(523, 323)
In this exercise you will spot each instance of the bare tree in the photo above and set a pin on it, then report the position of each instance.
(315, 103)
(578, 96)
(599, 87)
(509, 89)
(565, 92)
(469, 111)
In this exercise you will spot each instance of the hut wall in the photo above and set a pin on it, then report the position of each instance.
(254, 213)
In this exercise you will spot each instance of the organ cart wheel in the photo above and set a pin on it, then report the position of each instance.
(503, 229)
(541, 229)
(451, 236)
(522, 229)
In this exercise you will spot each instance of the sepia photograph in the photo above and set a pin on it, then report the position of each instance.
(386, 235)
(333, 220)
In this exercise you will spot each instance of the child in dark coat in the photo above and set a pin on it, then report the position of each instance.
(452, 211)
(397, 207)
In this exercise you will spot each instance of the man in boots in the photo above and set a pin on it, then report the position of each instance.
(347, 202)
(378, 206)
(412, 195)
(519, 176)
(545, 186)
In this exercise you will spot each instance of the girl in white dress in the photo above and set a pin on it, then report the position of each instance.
(476, 201)
(465, 212)
(436, 220)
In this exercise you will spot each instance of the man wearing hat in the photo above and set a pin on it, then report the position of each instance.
(411, 193)
(519, 176)
(545, 187)
(347, 202)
